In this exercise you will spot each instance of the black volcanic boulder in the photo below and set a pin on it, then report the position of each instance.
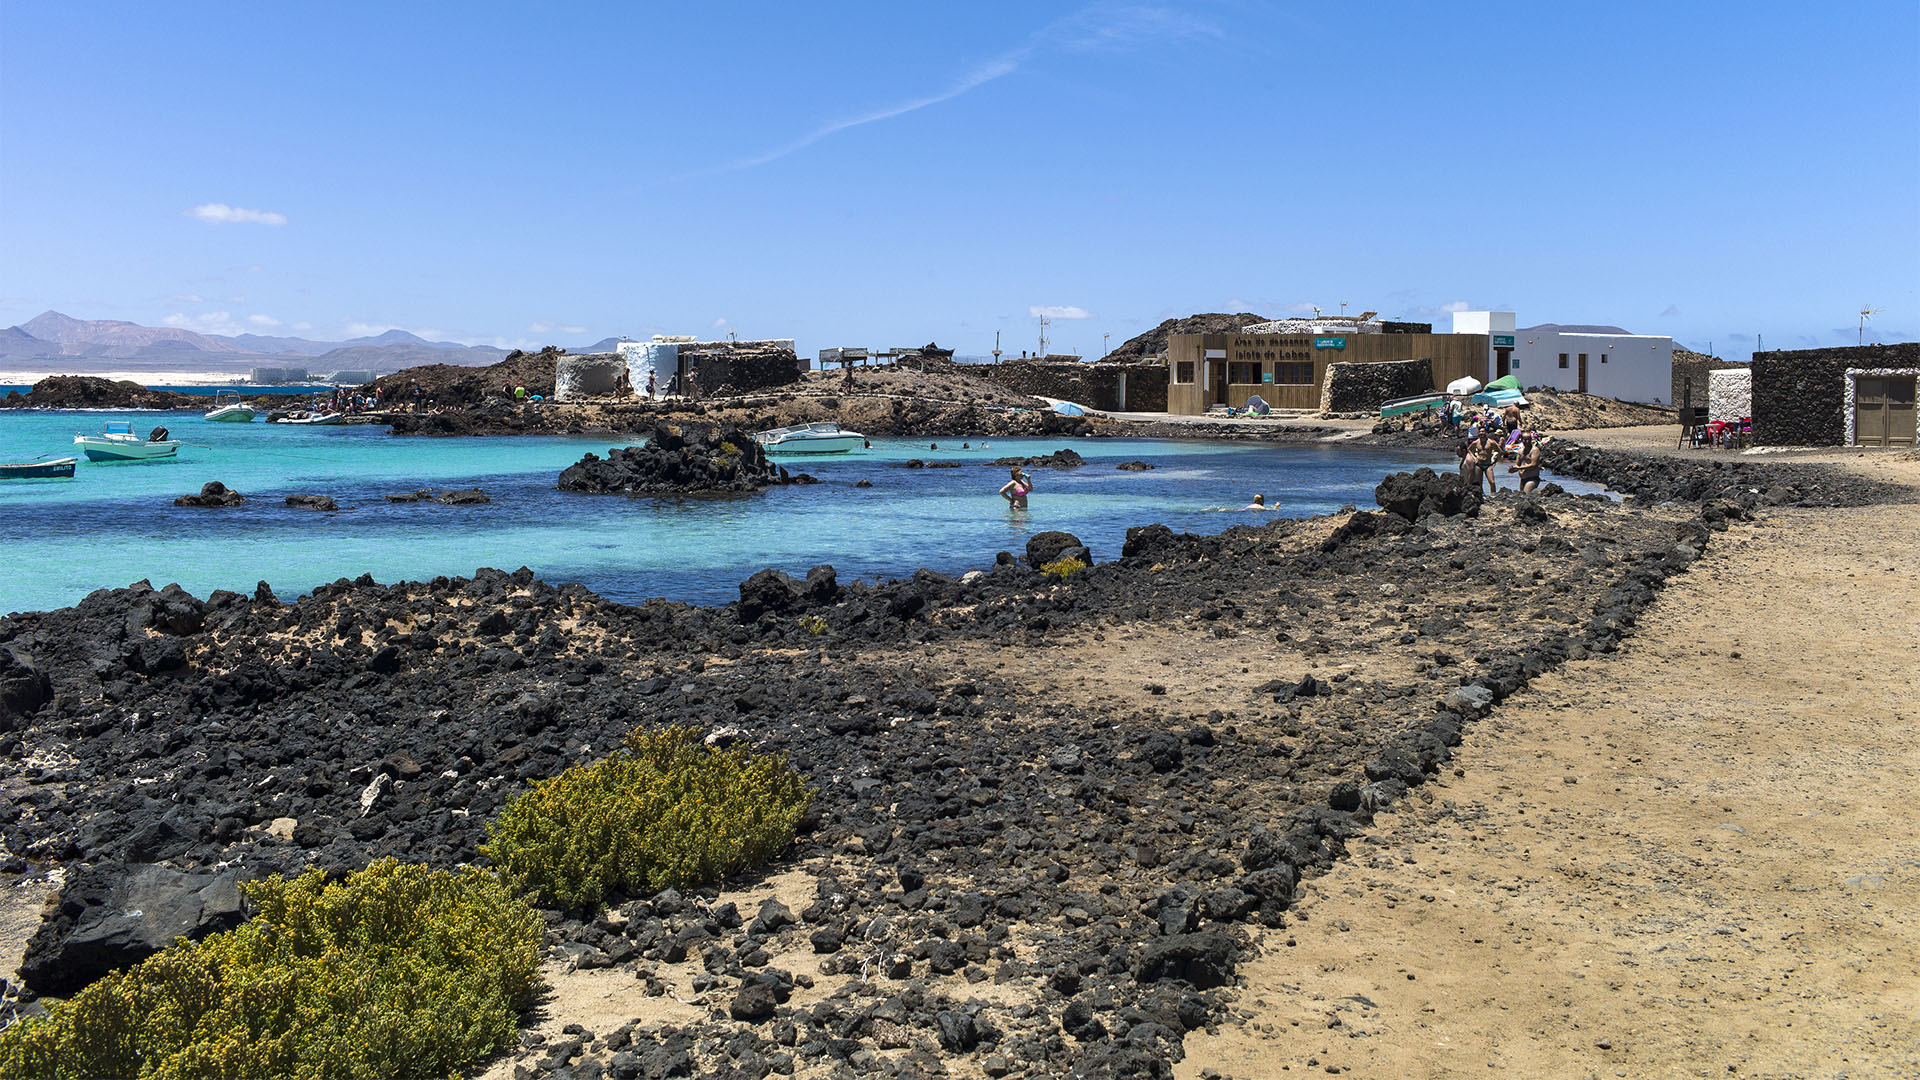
(1203, 960)
(1416, 494)
(23, 686)
(113, 916)
(212, 493)
(1048, 546)
(684, 458)
(312, 502)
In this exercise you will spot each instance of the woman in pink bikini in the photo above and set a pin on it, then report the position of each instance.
(1017, 489)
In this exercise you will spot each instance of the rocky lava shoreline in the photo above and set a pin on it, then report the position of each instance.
(1049, 809)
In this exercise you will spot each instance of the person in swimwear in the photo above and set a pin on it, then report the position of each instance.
(1528, 465)
(1259, 503)
(1017, 489)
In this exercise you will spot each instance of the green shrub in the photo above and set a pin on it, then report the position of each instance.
(1063, 567)
(396, 971)
(813, 624)
(665, 811)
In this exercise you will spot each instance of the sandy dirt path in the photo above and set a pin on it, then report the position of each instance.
(1697, 857)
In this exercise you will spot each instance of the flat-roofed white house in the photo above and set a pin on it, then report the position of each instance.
(1602, 360)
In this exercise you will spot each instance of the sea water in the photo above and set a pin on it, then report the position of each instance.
(114, 524)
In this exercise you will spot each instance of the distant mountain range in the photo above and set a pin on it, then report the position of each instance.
(59, 342)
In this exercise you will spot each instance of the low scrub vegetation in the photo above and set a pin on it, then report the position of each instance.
(397, 971)
(1064, 567)
(664, 811)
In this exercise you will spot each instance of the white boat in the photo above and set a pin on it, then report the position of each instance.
(229, 409)
(117, 442)
(824, 437)
(315, 418)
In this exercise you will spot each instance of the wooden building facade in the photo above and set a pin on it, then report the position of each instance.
(1287, 371)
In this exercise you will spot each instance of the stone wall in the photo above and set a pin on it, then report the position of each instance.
(1729, 394)
(741, 366)
(1097, 386)
(1800, 397)
(1365, 387)
(589, 375)
(1688, 364)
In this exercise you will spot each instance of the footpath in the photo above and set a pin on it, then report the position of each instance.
(1699, 856)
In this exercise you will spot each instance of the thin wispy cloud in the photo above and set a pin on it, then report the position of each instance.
(263, 321)
(980, 76)
(1100, 27)
(206, 322)
(554, 328)
(222, 214)
(1058, 311)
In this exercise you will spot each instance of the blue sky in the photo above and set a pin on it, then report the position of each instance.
(887, 173)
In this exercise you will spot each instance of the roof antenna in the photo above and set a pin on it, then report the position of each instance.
(1867, 311)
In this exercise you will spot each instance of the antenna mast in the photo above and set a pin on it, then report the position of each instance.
(1867, 311)
(996, 346)
(1043, 336)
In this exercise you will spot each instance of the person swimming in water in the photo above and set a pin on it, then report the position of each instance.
(1018, 488)
(1259, 503)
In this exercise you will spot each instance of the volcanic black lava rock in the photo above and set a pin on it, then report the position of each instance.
(1416, 494)
(1133, 466)
(1203, 960)
(212, 493)
(463, 497)
(754, 1002)
(312, 502)
(1048, 546)
(111, 916)
(24, 687)
(686, 458)
(1063, 458)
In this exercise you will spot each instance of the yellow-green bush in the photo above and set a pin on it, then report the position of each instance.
(393, 972)
(813, 624)
(664, 811)
(1064, 567)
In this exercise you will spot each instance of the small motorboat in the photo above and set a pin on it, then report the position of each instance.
(1417, 404)
(824, 437)
(314, 419)
(117, 442)
(38, 470)
(229, 409)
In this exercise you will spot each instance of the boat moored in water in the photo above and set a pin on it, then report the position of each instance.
(824, 437)
(229, 409)
(117, 442)
(311, 419)
(38, 470)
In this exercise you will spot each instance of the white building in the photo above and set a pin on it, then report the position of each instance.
(1591, 360)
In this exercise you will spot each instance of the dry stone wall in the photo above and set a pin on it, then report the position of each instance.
(1800, 397)
(1365, 387)
(1097, 386)
(1729, 394)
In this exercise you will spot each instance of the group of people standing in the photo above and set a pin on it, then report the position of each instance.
(1495, 437)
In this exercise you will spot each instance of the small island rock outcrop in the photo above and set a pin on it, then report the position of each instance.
(679, 459)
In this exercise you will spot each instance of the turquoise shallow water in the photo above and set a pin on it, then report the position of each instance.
(115, 524)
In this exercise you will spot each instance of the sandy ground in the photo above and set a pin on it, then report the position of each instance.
(1696, 857)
